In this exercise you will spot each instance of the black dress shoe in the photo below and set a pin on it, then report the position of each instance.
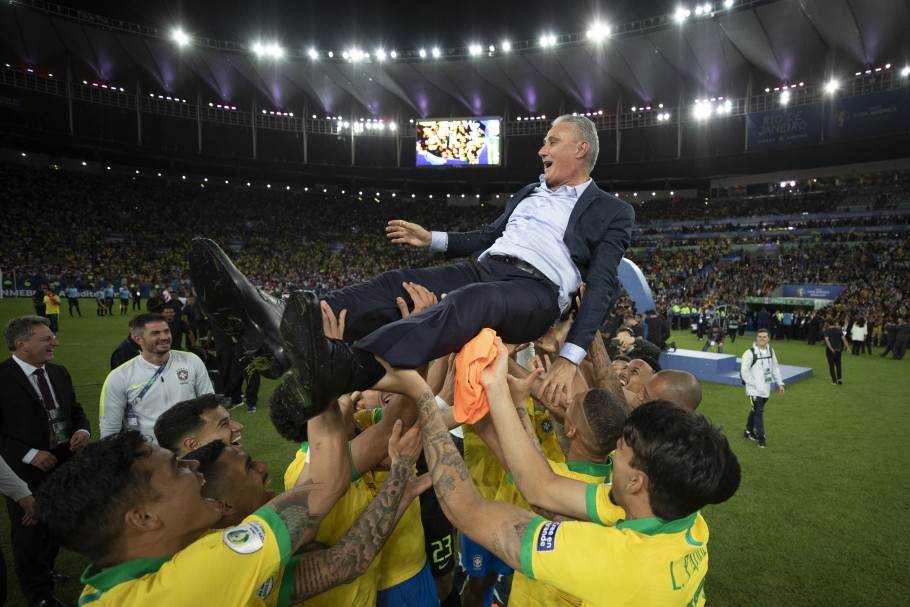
(238, 308)
(324, 368)
(59, 578)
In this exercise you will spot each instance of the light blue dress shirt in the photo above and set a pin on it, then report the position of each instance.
(534, 234)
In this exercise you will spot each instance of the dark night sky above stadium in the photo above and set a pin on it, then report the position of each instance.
(393, 23)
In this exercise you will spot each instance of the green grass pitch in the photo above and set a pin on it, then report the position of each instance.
(818, 519)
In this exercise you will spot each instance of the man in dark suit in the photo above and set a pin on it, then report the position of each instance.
(529, 264)
(41, 426)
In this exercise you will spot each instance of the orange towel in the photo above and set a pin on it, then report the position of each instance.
(471, 403)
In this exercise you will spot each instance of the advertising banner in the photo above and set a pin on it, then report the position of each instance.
(784, 128)
(813, 291)
(870, 115)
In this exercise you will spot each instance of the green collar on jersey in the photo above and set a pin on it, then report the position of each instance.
(105, 579)
(653, 526)
(592, 469)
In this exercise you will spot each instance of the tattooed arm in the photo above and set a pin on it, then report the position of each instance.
(604, 375)
(324, 480)
(321, 570)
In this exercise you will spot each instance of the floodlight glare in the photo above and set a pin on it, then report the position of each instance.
(598, 32)
(380, 54)
(547, 40)
(180, 37)
(785, 97)
(423, 53)
(905, 71)
(681, 14)
(313, 54)
(393, 54)
(728, 3)
(701, 111)
(831, 86)
(474, 50)
(506, 46)
(436, 52)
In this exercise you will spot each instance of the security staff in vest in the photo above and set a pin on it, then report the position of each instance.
(554, 234)
(759, 370)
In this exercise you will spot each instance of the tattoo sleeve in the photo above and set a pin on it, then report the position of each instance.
(528, 426)
(294, 509)
(321, 570)
(450, 475)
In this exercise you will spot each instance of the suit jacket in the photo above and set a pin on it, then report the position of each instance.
(597, 235)
(23, 418)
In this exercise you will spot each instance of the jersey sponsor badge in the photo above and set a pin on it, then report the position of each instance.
(546, 541)
(266, 589)
(244, 539)
(183, 375)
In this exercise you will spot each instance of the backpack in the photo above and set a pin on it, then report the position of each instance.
(754, 360)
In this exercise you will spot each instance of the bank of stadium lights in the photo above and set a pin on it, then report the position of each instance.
(784, 98)
(831, 86)
(474, 50)
(663, 116)
(547, 41)
(436, 52)
(681, 14)
(312, 53)
(277, 113)
(784, 87)
(422, 53)
(170, 98)
(505, 46)
(267, 50)
(530, 118)
(905, 71)
(105, 86)
(180, 37)
(380, 54)
(705, 108)
(598, 32)
(222, 106)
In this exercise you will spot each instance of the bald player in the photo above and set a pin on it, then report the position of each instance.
(679, 387)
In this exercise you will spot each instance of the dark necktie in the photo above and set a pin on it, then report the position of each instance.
(45, 390)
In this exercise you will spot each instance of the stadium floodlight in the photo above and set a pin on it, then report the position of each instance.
(436, 52)
(423, 53)
(380, 54)
(699, 10)
(331, 54)
(345, 55)
(393, 126)
(598, 32)
(681, 14)
(506, 46)
(313, 53)
(831, 86)
(547, 41)
(474, 50)
(728, 3)
(701, 111)
(905, 71)
(784, 97)
(492, 48)
(272, 50)
(180, 37)
(393, 54)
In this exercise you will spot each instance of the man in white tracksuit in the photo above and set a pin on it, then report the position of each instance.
(759, 369)
(137, 392)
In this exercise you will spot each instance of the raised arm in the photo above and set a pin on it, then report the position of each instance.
(321, 570)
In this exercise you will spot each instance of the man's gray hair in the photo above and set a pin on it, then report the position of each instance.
(20, 329)
(587, 132)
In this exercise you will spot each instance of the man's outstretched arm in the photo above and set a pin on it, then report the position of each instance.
(321, 570)
(497, 526)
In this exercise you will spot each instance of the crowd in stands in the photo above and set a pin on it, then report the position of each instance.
(98, 229)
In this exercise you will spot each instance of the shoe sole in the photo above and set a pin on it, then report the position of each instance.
(301, 332)
(215, 279)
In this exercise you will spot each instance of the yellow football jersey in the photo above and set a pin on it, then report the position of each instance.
(639, 562)
(600, 508)
(360, 592)
(531, 593)
(240, 565)
(404, 554)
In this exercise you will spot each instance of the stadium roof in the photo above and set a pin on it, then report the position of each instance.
(715, 50)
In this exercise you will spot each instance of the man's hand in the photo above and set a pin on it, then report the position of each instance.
(557, 387)
(405, 232)
(497, 371)
(780, 389)
(332, 327)
(520, 388)
(27, 503)
(78, 440)
(422, 297)
(404, 448)
(44, 460)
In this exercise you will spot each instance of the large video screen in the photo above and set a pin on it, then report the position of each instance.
(458, 142)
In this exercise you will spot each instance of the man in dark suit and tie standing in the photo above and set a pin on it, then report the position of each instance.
(528, 265)
(41, 426)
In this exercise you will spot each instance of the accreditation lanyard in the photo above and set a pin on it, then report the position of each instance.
(151, 381)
